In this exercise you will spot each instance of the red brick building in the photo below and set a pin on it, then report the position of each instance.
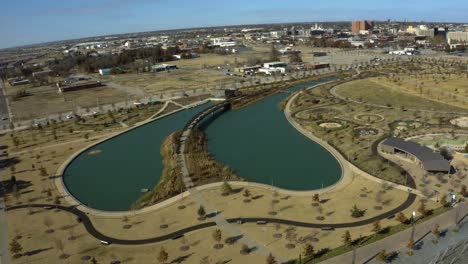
(357, 26)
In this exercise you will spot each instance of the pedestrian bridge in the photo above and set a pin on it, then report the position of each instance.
(211, 111)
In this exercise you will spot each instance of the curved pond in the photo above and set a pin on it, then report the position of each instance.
(256, 141)
(112, 178)
(260, 145)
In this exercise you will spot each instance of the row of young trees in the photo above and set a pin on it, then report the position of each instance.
(91, 64)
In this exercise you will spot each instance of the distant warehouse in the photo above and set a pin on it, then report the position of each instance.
(247, 69)
(16, 82)
(163, 67)
(78, 86)
(422, 155)
(316, 66)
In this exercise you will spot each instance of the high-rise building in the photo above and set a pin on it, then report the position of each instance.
(357, 26)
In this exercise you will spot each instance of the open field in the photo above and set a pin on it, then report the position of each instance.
(38, 149)
(451, 89)
(197, 73)
(364, 124)
(373, 92)
(48, 247)
(334, 207)
(46, 100)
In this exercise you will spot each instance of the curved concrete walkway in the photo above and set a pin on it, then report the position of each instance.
(346, 172)
(197, 196)
(227, 224)
(348, 167)
(70, 199)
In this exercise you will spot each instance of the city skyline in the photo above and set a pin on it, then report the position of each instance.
(29, 22)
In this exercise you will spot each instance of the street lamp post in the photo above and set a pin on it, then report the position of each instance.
(413, 215)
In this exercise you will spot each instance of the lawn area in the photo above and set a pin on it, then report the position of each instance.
(445, 88)
(370, 91)
(45, 100)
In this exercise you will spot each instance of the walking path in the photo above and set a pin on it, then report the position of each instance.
(451, 247)
(347, 167)
(399, 240)
(160, 110)
(195, 194)
(229, 225)
(62, 143)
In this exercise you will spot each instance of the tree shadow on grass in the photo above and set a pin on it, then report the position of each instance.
(6, 187)
(257, 197)
(9, 162)
(181, 259)
(237, 190)
(35, 252)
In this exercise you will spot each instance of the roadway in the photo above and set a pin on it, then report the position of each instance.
(5, 114)
(25, 124)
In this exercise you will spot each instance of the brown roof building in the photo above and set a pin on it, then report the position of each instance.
(357, 26)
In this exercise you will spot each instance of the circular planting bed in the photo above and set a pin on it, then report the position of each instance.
(399, 129)
(460, 122)
(330, 125)
(366, 132)
(316, 113)
(369, 118)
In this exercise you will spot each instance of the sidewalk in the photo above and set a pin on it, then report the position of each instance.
(451, 247)
(399, 240)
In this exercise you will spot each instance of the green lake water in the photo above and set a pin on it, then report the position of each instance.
(256, 141)
(112, 180)
(260, 145)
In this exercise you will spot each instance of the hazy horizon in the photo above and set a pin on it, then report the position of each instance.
(29, 22)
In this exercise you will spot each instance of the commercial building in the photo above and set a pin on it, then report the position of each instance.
(425, 157)
(15, 82)
(41, 74)
(78, 86)
(457, 37)
(163, 67)
(247, 69)
(105, 71)
(223, 42)
(278, 34)
(274, 67)
(316, 66)
(357, 26)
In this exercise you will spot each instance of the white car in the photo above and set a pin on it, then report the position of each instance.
(69, 116)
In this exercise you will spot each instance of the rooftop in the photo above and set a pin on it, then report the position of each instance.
(431, 160)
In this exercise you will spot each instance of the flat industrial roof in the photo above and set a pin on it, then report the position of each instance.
(431, 161)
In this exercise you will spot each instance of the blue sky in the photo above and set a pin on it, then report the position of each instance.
(34, 21)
